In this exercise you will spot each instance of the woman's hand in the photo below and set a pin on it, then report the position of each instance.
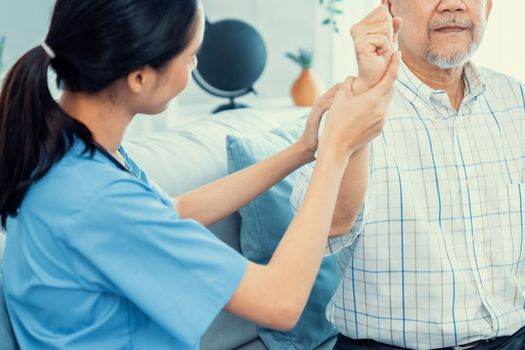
(309, 139)
(353, 121)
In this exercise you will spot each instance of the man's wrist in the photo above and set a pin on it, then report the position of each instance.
(359, 86)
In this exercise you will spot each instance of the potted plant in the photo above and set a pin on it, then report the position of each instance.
(307, 88)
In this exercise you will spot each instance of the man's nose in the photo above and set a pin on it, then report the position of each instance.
(451, 5)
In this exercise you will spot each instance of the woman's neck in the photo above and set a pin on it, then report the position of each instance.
(106, 121)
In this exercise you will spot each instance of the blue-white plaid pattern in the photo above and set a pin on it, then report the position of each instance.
(436, 258)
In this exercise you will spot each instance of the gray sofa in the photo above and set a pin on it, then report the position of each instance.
(194, 154)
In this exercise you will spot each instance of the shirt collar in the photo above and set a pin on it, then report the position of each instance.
(475, 83)
(423, 96)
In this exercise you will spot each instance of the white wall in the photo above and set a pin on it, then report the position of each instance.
(503, 48)
(284, 24)
(25, 24)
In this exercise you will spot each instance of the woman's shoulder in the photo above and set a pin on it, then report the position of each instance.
(73, 181)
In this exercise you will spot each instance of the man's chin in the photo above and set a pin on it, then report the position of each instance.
(450, 55)
(448, 61)
(450, 58)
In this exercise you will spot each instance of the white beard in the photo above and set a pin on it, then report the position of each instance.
(457, 59)
(452, 61)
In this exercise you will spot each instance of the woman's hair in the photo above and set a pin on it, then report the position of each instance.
(95, 43)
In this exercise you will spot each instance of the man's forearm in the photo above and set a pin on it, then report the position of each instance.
(351, 193)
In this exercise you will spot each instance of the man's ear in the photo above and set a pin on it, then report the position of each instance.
(488, 8)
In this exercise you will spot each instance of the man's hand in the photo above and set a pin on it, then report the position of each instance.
(353, 121)
(375, 40)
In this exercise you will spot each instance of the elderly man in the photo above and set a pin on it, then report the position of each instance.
(434, 258)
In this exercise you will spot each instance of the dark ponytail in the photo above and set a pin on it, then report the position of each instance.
(33, 129)
(96, 42)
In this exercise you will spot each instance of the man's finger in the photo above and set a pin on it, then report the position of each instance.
(379, 28)
(379, 14)
(346, 88)
(383, 87)
(373, 44)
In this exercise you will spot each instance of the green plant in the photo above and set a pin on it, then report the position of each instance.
(303, 58)
(332, 9)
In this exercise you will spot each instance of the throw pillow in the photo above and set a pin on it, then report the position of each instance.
(263, 223)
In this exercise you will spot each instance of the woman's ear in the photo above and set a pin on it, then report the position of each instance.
(137, 80)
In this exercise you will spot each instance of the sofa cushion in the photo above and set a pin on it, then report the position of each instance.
(263, 223)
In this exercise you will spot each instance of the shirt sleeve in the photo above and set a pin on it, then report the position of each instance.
(335, 244)
(127, 241)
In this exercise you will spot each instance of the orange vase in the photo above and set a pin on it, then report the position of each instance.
(306, 89)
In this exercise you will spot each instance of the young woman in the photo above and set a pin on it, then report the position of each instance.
(97, 257)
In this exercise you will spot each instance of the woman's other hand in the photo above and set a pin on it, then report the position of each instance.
(309, 138)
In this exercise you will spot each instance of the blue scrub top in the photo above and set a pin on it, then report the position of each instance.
(99, 259)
